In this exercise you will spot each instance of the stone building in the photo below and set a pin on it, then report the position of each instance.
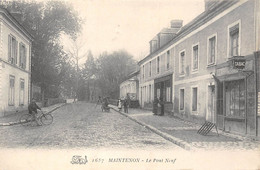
(15, 64)
(208, 70)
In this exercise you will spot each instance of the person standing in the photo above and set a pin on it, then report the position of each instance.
(128, 100)
(161, 107)
(119, 104)
(125, 106)
(155, 106)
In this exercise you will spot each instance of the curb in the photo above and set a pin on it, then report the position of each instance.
(18, 122)
(166, 136)
(220, 132)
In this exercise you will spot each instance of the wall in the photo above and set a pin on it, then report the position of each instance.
(202, 78)
(7, 69)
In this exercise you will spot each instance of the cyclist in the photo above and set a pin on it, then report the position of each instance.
(33, 109)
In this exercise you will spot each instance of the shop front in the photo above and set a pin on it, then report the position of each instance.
(163, 91)
(235, 111)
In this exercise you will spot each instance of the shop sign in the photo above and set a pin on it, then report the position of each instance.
(239, 63)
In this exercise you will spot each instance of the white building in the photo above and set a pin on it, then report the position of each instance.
(15, 64)
(130, 86)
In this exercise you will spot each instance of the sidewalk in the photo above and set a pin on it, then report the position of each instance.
(185, 134)
(13, 119)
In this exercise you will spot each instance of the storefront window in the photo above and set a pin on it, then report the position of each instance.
(235, 99)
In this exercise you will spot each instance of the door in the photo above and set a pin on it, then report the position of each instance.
(211, 104)
(220, 91)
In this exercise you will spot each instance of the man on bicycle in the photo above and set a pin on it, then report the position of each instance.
(33, 109)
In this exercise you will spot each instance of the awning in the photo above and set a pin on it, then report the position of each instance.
(236, 76)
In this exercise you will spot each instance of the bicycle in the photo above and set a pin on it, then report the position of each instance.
(29, 119)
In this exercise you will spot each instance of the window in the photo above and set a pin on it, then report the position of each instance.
(150, 68)
(158, 64)
(21, 99)
(11, 90)
(212, 50)
(235, 99)
(234, 40)
(22, 52)
(195, 59)
(194, 99)
(168, 60)
(12, 49)
(168, 94)
(181, 99)
(182, 63)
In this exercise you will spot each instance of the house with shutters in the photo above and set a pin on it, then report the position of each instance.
(208, 70)
(15, 64)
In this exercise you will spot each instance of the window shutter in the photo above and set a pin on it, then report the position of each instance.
(20, 54)
(9, 48)
(25, 57)
(15, 52)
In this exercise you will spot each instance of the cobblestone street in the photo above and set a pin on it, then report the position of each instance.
(82, 125)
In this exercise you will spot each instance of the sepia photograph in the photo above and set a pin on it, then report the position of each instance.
(129, 84)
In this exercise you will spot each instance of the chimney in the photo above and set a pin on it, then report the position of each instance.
(176, 23)
(210, 3)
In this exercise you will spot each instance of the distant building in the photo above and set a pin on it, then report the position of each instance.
(15, 64)
(209, 69)
(130, 86)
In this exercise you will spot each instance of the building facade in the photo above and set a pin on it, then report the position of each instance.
(130, 87)
(156, 70)
(15, 64)
(211, 72)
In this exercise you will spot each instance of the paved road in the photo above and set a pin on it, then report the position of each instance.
(81, 125)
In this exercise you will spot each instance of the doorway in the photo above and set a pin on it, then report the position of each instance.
(211, 104)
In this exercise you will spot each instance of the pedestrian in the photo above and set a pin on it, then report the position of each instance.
(32, 108)
(125, 106)
(99, 101)
(155, 106)
(128, 100)
(161, 104)
(119, 104)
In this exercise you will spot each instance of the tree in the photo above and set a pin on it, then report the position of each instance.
(46, 22)
(112, 70)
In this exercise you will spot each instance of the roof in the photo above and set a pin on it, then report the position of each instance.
(194, 24)
(9, 17)
(129, 76)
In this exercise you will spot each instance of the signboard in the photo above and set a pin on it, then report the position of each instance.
(239, 63)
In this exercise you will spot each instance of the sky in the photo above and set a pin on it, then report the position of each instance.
(111, 25)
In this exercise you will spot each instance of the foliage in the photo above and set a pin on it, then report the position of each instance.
(46, 22)
(109, 70)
